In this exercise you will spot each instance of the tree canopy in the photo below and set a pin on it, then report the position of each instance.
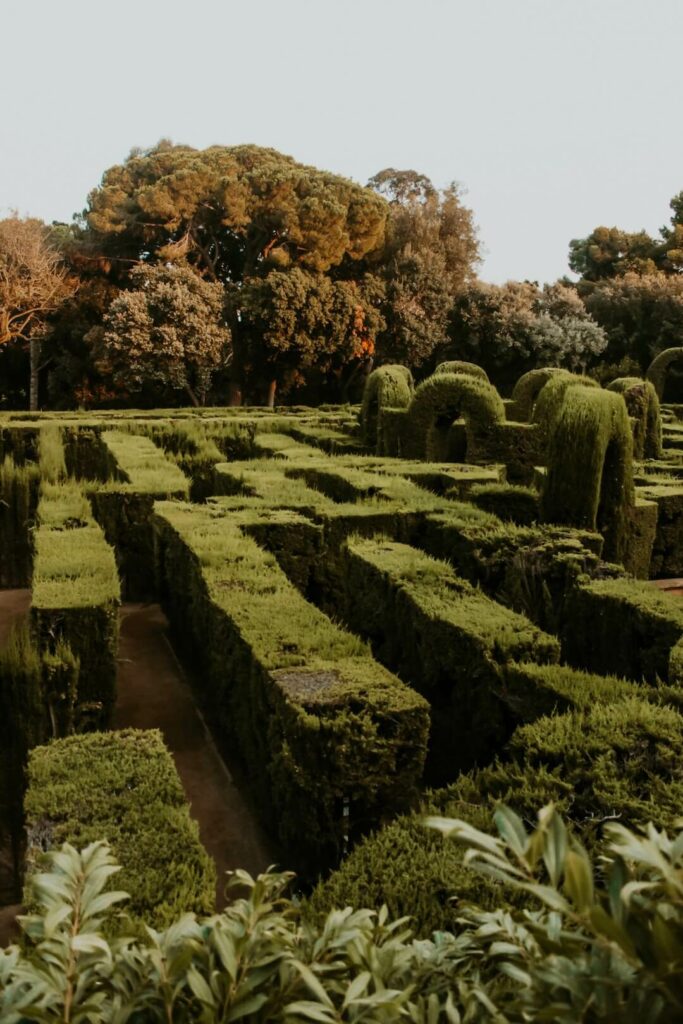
(168, 328)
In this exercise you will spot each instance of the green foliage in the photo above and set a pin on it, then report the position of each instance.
(444, 637)
(167, 329)
(19, 495)
(589, 483)
(389, 387)
(658, 368)
(642, 404)
(76, 594)
(550, 399)
(430, 252)
(121, 786)
(315, 721)
(508, 501)
(444, 398)
(528, 388)
(293, 322)
(51, 457)
(459, 366)
(512, 328)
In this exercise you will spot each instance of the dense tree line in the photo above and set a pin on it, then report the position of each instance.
(237, 274)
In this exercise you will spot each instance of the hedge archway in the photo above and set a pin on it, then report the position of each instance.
(528, 388)
(388, 387)
(551, 398)
(658, 370)
(460, 366)
(441, 400)
(589, 483)
(643, 408)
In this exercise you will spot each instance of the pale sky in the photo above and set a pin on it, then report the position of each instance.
(555, 115)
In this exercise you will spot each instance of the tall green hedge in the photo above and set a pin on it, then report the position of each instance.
(444, 398)
(329, 740)
(528, 388)
(643, 408)
(444, 637)
(19, 483)
(123, 787)
(388, 387)
(658, 369)
(76, 595)
(589, 483)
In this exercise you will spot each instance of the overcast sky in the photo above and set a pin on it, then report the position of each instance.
(554, 115)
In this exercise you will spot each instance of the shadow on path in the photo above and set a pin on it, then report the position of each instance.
(153, 693)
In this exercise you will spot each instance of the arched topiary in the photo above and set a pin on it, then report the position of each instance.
(528, 387)
(389, 387)
(589, 483)
(444, 398)
(643, 408)
(551, 398)
(460, 366)
(659, 367)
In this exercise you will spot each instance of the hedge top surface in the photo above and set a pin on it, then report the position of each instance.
(462, 366)
(388, 387)
(146, 469)
(442, 595)
(284, 630)
(122, 786)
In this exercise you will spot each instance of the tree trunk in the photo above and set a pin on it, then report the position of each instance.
(34, 347)
(192, 396)
(272, 388)
(234, 393)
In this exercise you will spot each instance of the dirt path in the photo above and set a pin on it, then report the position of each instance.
(14, 607)
(153, 694)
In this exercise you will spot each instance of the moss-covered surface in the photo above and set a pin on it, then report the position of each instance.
(123, 787)
(643, 408)
(621, 627)
(589, 483)
(318, 724)
(444, 637)
(389, 387)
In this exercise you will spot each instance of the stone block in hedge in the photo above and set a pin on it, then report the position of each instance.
(123, 787)
(444, 637)
(330, 741)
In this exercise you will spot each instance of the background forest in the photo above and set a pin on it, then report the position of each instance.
(236, 275)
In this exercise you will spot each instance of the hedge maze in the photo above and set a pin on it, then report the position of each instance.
(441, 588)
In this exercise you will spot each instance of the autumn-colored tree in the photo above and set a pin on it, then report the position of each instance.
(511, 328)
(295, 322)
(168, 329)
(34, 281)
(430, 254)
(232, 214)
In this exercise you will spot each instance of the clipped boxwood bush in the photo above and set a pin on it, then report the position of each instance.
(528, 388)
(388, 387)
(461, 366)
(643, 408)
(512, 502)
(444, 398)
(658, 369)
(123, 787)
(589, 483)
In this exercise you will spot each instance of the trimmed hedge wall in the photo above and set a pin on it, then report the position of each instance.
(667, 549)
(330, 741)
(19, 483)
(507, 501)
(388, 387)
(124, 507)
(122, 787)
(76, 595)
(643, 408)
(589, 483)
(621, 627)
(445, 638)
(444, 398)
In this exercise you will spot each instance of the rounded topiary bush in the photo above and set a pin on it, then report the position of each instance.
(589, 483)
(444, 398)
(460, 366)
(388, 387)
(643, 408)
